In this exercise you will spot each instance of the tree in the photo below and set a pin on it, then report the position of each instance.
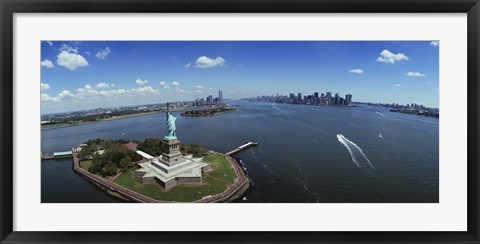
(109, 170)
(116, 156)
(196, 150)
(152, 146)
(87, 151)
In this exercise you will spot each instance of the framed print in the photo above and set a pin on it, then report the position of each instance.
(264, 121)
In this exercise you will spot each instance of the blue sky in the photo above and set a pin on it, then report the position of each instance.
(92, 74)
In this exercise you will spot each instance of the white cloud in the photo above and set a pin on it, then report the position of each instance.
(199, 87)
(167, 85)
(112, 92)
(429, 82)
(103, 53)
(206, 62)
(389, 57)
(415, 74)
(68, 48)
(435, 43)
(90, 95)
(47, 64)
(44, 86)
(49, 43)
(112, 85)
(102, 85)
(47, 98)
(65, 94)
(141, 82)
(187, 65)
(71, 60)
(396, 85)
(144, 90)
(356, 71)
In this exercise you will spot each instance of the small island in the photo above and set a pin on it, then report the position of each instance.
(422, 112)
(161, 170)
(208, 112)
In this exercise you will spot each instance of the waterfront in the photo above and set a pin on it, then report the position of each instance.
(299, 158)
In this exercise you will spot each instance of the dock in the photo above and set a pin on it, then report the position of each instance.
(57, 155)
(241, 148)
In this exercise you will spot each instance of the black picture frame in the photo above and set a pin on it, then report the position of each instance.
(9, 7)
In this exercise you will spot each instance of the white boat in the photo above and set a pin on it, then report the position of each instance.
(380, 136)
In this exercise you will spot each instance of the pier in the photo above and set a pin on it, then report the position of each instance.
(57, 155)
(242, 147)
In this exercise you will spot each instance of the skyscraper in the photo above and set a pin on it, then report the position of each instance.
(348, 99)
(220, 96)
(328, 98)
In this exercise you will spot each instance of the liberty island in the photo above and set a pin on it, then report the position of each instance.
(173, 176)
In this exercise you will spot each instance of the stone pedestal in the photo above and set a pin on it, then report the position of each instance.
(171, 153)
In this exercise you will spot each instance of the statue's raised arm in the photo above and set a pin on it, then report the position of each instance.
(171, 135)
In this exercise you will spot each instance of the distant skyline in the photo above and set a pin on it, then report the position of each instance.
(90, 74)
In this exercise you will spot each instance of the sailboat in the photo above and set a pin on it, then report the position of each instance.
(380, 136)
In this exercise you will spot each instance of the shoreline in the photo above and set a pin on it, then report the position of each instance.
(59, 126)
(52, 127)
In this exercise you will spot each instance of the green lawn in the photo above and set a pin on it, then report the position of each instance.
(184, 193)
(222, 169)
(86, 165)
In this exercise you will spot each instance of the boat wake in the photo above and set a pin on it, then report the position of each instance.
(358, 157)
(305, 181)
(381, 114)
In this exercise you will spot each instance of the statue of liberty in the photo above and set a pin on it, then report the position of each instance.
(171, 126)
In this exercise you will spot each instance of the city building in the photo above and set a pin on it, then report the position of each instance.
(220, 96)
(316, 99)
(348, 99)
(328, 98)
(210, 100)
